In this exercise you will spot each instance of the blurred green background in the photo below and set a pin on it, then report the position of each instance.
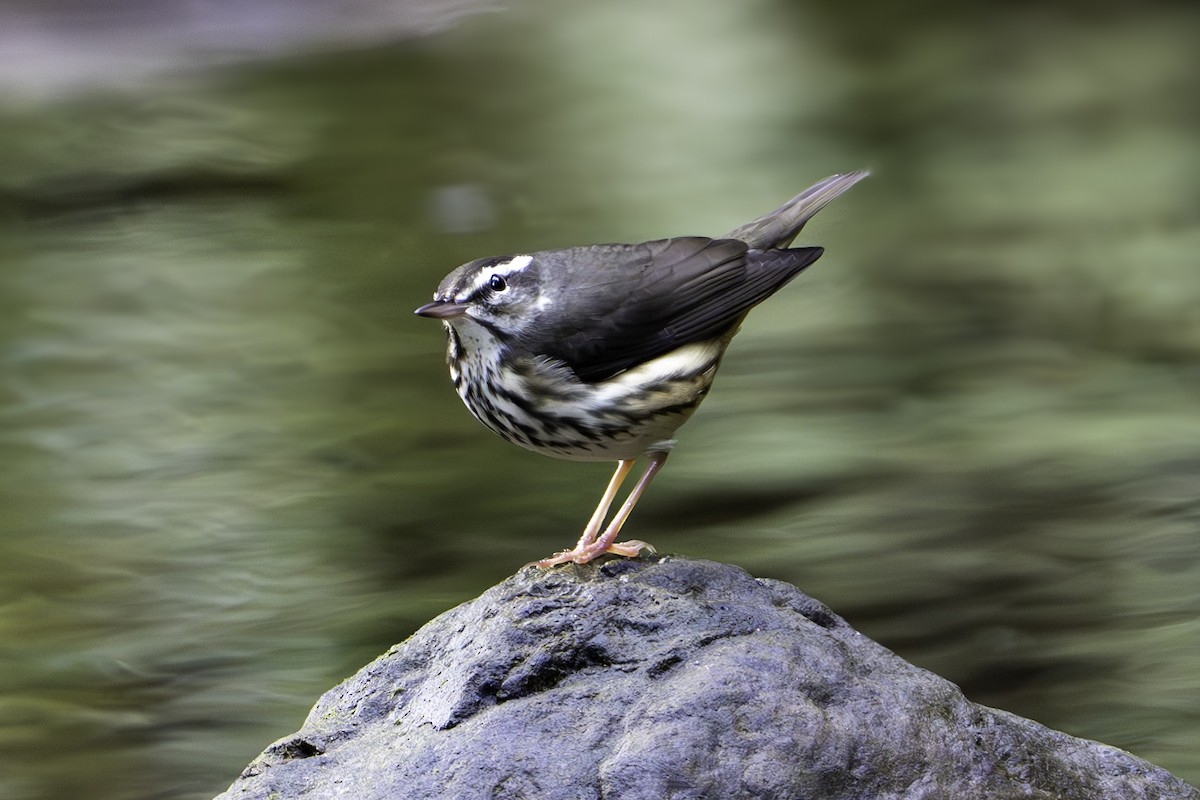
(232, 466)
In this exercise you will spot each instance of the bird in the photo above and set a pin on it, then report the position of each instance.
(601, 352)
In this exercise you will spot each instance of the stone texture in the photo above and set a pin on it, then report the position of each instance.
(669, 678)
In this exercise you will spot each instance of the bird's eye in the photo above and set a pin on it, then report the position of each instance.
(497, 283)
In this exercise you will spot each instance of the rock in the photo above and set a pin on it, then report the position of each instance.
(669, 678)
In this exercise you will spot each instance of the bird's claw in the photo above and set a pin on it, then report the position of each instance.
(583, 555)
(630, 549)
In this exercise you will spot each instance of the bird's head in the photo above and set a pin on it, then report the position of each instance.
(501, 294)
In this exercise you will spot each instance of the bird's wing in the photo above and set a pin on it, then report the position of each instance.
(643, 301)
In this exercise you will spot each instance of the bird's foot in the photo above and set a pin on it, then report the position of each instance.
(630, 549)
(582, 555)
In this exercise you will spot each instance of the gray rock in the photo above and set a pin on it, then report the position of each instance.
(669, 678)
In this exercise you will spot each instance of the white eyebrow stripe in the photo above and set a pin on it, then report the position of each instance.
(514, 264)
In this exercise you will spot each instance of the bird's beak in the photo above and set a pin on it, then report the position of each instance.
(442, 309)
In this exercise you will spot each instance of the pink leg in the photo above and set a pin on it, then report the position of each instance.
(597, 520)
(605, 544)
(589, 547)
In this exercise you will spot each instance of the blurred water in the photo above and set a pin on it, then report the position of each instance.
(234, 470)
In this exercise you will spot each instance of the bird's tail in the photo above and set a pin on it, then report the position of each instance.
(779, 228)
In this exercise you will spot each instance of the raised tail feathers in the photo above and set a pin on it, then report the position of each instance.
(778, 228)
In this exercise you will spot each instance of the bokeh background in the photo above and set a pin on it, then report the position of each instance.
(232, 467)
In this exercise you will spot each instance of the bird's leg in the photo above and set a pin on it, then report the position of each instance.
(606, 543)
(595, 523)
(589, 546)
(597, 520)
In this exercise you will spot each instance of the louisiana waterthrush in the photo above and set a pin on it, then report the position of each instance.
(600, 353)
